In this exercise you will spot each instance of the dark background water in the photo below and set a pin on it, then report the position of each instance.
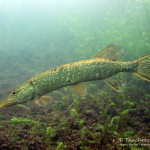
(37, 35)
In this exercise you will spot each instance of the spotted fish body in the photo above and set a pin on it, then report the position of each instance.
(103, 66)
(82, 71)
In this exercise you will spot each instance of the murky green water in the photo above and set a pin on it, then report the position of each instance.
(38, 35)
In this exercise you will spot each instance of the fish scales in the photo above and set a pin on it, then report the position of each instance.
(82, 71)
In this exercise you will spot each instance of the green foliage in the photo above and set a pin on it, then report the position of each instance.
(99, 127)
(115, 120)
(83, 132)
(60, 146)
(127, 111)
(75, 102)
(129, 104)
(129, 133)
(81, 123)
(112, 104)
(147, 95)
(50, 132)
(73, 112)
(15, 120)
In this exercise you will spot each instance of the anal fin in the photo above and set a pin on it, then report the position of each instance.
(116, 82)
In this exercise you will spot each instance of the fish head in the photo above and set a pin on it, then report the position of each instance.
(20, 95)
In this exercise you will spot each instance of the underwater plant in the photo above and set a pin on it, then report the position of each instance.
(15, 120)
(73, 113)
(80, 123)
(129, 104)
(50, 132)
(83, 132)
(60, 146)
(115, 120)
(129, 133)
(127, 111)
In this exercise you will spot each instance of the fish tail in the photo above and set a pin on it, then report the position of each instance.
(143, 68)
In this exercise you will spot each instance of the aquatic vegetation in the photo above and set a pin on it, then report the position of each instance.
(15, 120)
(115, 119)
(127, 111)
(50, 132)
(60, 145)
(112, 104)
(81, 123)
(147, 95)
(99, 127)
(129, 133)
(73, 112)
(83, 132)
(129, 104)
(75, 102)
(90, 133)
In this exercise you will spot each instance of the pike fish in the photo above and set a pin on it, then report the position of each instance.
(102, 67)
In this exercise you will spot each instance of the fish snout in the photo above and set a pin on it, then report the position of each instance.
(6, 103)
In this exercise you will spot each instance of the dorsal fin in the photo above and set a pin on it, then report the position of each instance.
(112, 52)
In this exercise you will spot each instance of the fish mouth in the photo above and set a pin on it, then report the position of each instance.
(6, 103)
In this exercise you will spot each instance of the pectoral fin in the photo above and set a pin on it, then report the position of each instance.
(43, 100)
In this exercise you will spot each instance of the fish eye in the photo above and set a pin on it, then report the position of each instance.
(14, 92)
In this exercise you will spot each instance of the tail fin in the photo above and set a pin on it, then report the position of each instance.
(143, 69)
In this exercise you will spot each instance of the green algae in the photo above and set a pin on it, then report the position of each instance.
(129, 104)
(115, 119)
(15, 120)
(60, 146)
(73, 112)
(83, 132)
(127, 111)
(50, 132)
(129, 133)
